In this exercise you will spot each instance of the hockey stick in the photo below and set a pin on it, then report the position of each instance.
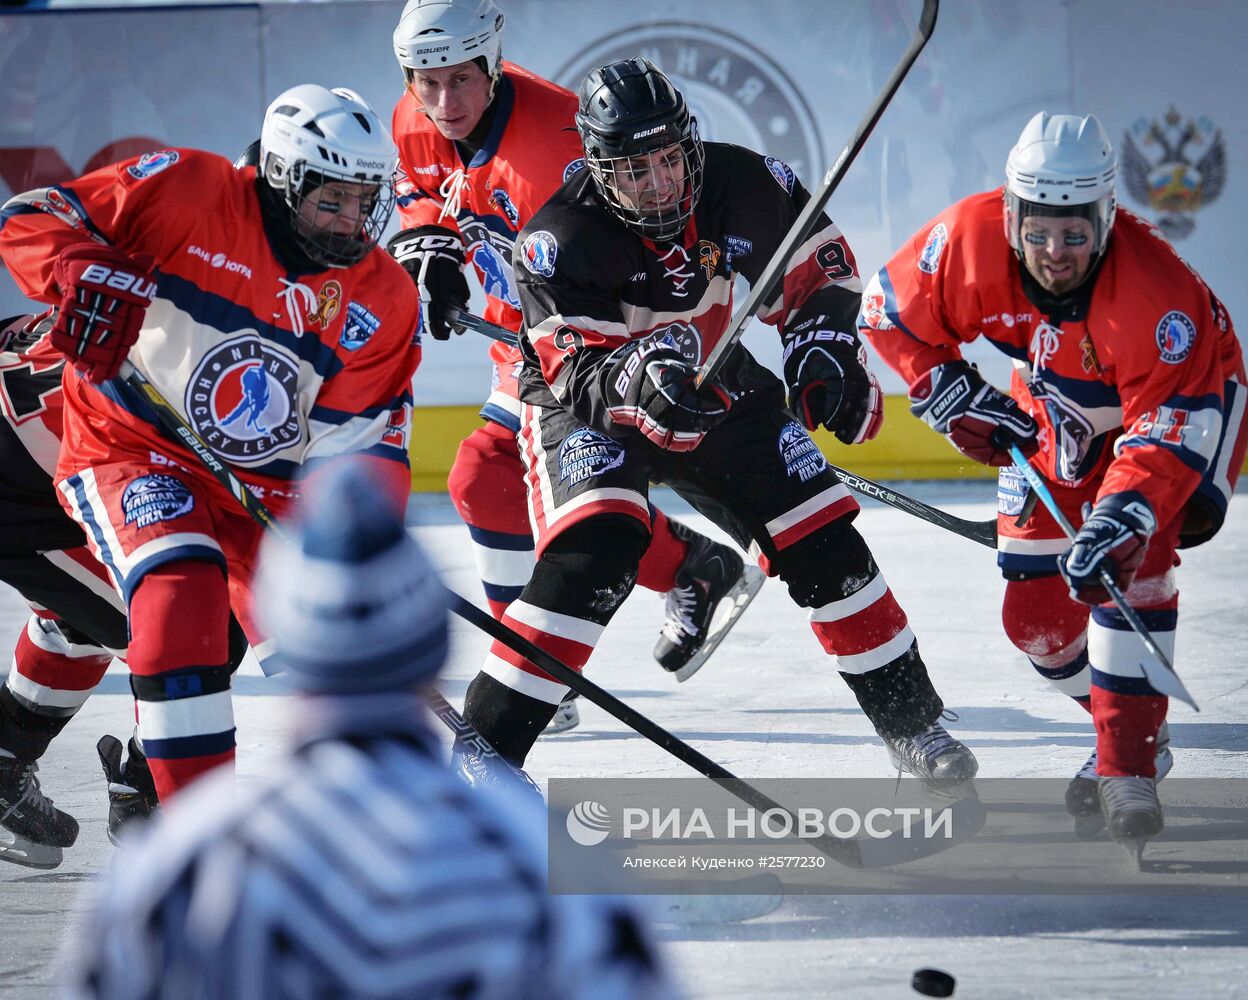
(831, 181)
(461, 317)
(173, 422)
(1165, 680)
(984, 532)
(968, 814)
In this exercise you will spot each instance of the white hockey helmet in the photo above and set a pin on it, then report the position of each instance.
(1062, 165)
(313, 136)
(433, 34)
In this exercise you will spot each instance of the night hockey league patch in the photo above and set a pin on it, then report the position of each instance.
(1175, 336)
(587, 453)
(929, 260)
(539, 252)
(151, 499)
(782, 172)
(241, 400)
(573, 167)
(151, 164)
(801, 456)
(359, 327)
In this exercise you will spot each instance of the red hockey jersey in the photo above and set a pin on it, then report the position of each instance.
(1134, 392)
(531, 149)
(273, 369)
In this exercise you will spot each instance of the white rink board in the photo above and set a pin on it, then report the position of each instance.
(769, 705)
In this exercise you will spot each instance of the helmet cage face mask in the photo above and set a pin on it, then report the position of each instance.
(1099, 213)
(619, 167)
(314, 138)
(326, 243)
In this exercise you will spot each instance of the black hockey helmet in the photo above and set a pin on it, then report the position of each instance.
(627, 111)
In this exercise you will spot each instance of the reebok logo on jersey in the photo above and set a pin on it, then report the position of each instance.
(122, 281)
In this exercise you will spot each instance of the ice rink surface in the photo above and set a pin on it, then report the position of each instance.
(769, 704)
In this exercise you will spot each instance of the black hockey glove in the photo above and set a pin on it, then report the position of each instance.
(829, 382)
(434, 257)
(978, 419)
(1113, 537)
(650, 387)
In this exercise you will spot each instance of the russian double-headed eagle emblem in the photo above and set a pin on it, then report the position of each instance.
(1174, 166)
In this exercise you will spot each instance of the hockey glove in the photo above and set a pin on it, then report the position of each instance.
(1113, 537)
(830, 384)
(650, 387)
(104, 295)
(434, 257)
(979, 420)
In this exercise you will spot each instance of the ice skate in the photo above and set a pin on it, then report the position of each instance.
(481, 771)
(33, 832)
(713, 589)
(131, 790)
(1132, 811)
(1084, 803)
(567, 716)
(943, 763)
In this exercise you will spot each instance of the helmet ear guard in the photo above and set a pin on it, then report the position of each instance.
(1061, 166)
(314, 138)
(627, 110)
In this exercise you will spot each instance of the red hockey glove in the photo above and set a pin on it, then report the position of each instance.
(1113, 537)
(104, 294)
(830, 384)
(980, 421)
(651, 388)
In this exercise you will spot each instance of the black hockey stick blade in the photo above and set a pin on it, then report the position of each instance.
(461, 317)
(984, 532)
(766, 282)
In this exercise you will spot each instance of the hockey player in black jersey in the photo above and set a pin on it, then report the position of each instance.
(625, 279)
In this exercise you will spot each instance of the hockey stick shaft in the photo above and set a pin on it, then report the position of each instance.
(176, 425)
(1166, 681)
(461, 317)
(762, 288)
(984, 532)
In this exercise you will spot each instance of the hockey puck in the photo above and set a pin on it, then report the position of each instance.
(932, 983)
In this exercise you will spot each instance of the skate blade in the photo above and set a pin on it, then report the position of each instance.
(1135, 852)
(20, 851)
(752, 897)
(729, 609)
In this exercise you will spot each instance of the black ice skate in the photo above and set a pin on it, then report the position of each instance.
(131, 790)
(1082, 799)
(713, 589)
(567, 716)
(943, 763)
(33, 832)
(1132, 811)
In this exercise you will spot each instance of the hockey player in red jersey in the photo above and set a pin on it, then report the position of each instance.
(626, 278)
(1128, 393)
(257, 302)
(482, 145)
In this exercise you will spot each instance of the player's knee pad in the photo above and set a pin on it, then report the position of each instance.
(589, 569)
(486, 482)
(179, 617)
(1041, 619)
(827, 565)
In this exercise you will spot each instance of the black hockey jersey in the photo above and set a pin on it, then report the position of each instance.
(588, 284)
